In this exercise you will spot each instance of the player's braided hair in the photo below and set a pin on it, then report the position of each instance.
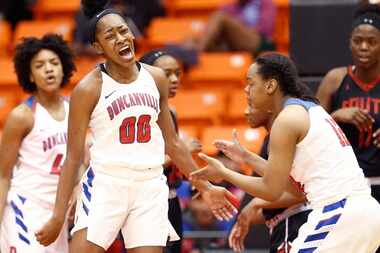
(282, 69)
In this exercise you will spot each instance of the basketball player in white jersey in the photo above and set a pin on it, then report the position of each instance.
(125, 103)
(309, 149)
(33, 146)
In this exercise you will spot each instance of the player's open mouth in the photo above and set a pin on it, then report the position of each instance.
(50, 79)
(126, 52)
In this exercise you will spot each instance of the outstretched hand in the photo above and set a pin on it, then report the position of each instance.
(213, 171)
(222, 203)
(232, 149)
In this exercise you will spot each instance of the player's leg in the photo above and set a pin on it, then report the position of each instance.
(21, 218)
(101, 210)
(175, 218)
(237, 35)
(147, 223)
(351, 225)
(146, 249)
(79, 244)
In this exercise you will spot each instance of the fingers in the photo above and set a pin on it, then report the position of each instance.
(224, 213)
(200, 174)
(232, 199)
(41, 237)
(376, 137)
(235, 136)
(222, 144)
(368, 116)
(236, 241)
(363, 120)
(206, 158)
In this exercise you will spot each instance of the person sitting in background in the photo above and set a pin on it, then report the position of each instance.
(246, 25)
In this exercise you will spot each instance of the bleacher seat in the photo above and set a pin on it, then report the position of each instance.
(84, 65)
(45, 9)
(163, 31)
(188, 131)
(194, 8)
(248, 137)
(8, 100)
(199, 108)
(38, 28)
(281, 33)
(7, 73)
(5, 38)
(220, 70)
(237, 103)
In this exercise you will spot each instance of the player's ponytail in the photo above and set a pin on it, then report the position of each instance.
(92, 7)
(282, 69)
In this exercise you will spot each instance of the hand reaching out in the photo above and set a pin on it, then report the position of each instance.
(232, 149)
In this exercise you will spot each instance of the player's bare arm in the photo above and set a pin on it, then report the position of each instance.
(180, 155)
(353, 115)
(19, 123)
(83, 100)
(288, 129)
(329, 85)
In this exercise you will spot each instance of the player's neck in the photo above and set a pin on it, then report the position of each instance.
(49, 100)
(279, 101)
(368, 75)
(122, 74)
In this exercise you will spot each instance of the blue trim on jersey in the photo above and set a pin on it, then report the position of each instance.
(16, 209)
(316, 237)
(21, 224)
(326, 222)
(296, 101)
(90, 176)
(330, 221)
(21, 198)
(85, 208)
(333, 206)
(307, 250)
(23, 238)
(87, 193)
(30, 102)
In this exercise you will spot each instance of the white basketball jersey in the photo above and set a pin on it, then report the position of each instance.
(41, 155)
(124, 126)
(325, 166)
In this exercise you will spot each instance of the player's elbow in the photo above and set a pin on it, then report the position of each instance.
(273, 195)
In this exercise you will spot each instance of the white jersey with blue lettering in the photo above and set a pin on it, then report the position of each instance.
(125, 134)
(41, 155)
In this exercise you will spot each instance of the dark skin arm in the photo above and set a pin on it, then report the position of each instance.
(83, 100)
(216, 197)
(288, 129)
(352, 115)
(19, 123)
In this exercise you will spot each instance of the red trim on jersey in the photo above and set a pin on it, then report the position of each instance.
(362, 85)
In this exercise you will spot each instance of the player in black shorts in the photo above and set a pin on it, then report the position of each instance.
(352, 94)
(284, 222)
(172, 69)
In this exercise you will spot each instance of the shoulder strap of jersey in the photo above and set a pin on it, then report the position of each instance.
(296, 101)
(31, 103)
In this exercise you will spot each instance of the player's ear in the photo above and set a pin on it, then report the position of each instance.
(98, 48)
(271, 86)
